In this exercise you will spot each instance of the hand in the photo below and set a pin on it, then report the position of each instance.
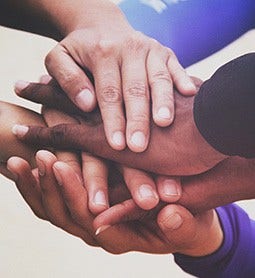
(127, 67)
(177, 150)
(64, 204)
(230, 181)
(96, 172)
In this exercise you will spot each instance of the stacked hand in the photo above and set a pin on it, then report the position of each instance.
(198, 193)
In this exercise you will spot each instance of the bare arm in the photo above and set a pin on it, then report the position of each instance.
(52, 18)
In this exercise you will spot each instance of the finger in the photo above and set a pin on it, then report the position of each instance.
(125, 211)
(50, 95)
(27, 185)
(161, 86)
(51, 198)
(45, 79)
(5, 172)
(141, 187)
(189, 234)
(181, 80)
(95, 174)
(109, 95)
(169, 188)
(74, 194)
(71, 77)
(136, 95)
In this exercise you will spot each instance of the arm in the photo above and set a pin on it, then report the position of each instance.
(49, 18)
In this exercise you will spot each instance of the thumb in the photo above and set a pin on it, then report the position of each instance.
(178, 225)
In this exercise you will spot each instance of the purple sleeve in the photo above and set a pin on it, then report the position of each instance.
(236, 257)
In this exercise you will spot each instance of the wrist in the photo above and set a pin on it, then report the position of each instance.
(90, 14)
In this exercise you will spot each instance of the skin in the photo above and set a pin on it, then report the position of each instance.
(128, 68)
(229, 181)
(65, 203)
(176, 150)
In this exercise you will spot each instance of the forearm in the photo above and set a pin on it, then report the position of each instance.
(56, 19)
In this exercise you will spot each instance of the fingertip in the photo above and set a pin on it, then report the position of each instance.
(20, 85)
(138, 142)
(146, 197)
(164, 116)
(118, 141)
(86, 100)
(169, 190)
(187, 87)
(99, 202)
(170, 218)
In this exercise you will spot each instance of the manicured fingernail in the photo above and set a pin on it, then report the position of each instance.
(100, 199)
(172, 222)
(170, 188)
(85, 99)
(118, 138)
(41, 167)
(20, 85)
(138, 139)
(164, 113)
(20, 130)
(101, 229)
(146, 191)
(56, 169)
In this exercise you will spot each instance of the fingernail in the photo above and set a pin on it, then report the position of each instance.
(146, 191)
(138, 139)
(190, 85)
(20, 130)
(41, 167)
(20, 85)
(101, 229)
(170, 188)
(118, 138)
(85, 99)
(99, 198)
(14, 175)
(164, 113)
(56, 169)
(173, 222)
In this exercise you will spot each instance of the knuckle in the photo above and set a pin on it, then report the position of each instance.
(69, 78)
(111, 94)
(137, 90)
(161, 75)
(104, 48)
(137, 42)
(57, 134)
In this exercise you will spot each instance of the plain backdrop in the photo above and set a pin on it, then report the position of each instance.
(30, 247)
